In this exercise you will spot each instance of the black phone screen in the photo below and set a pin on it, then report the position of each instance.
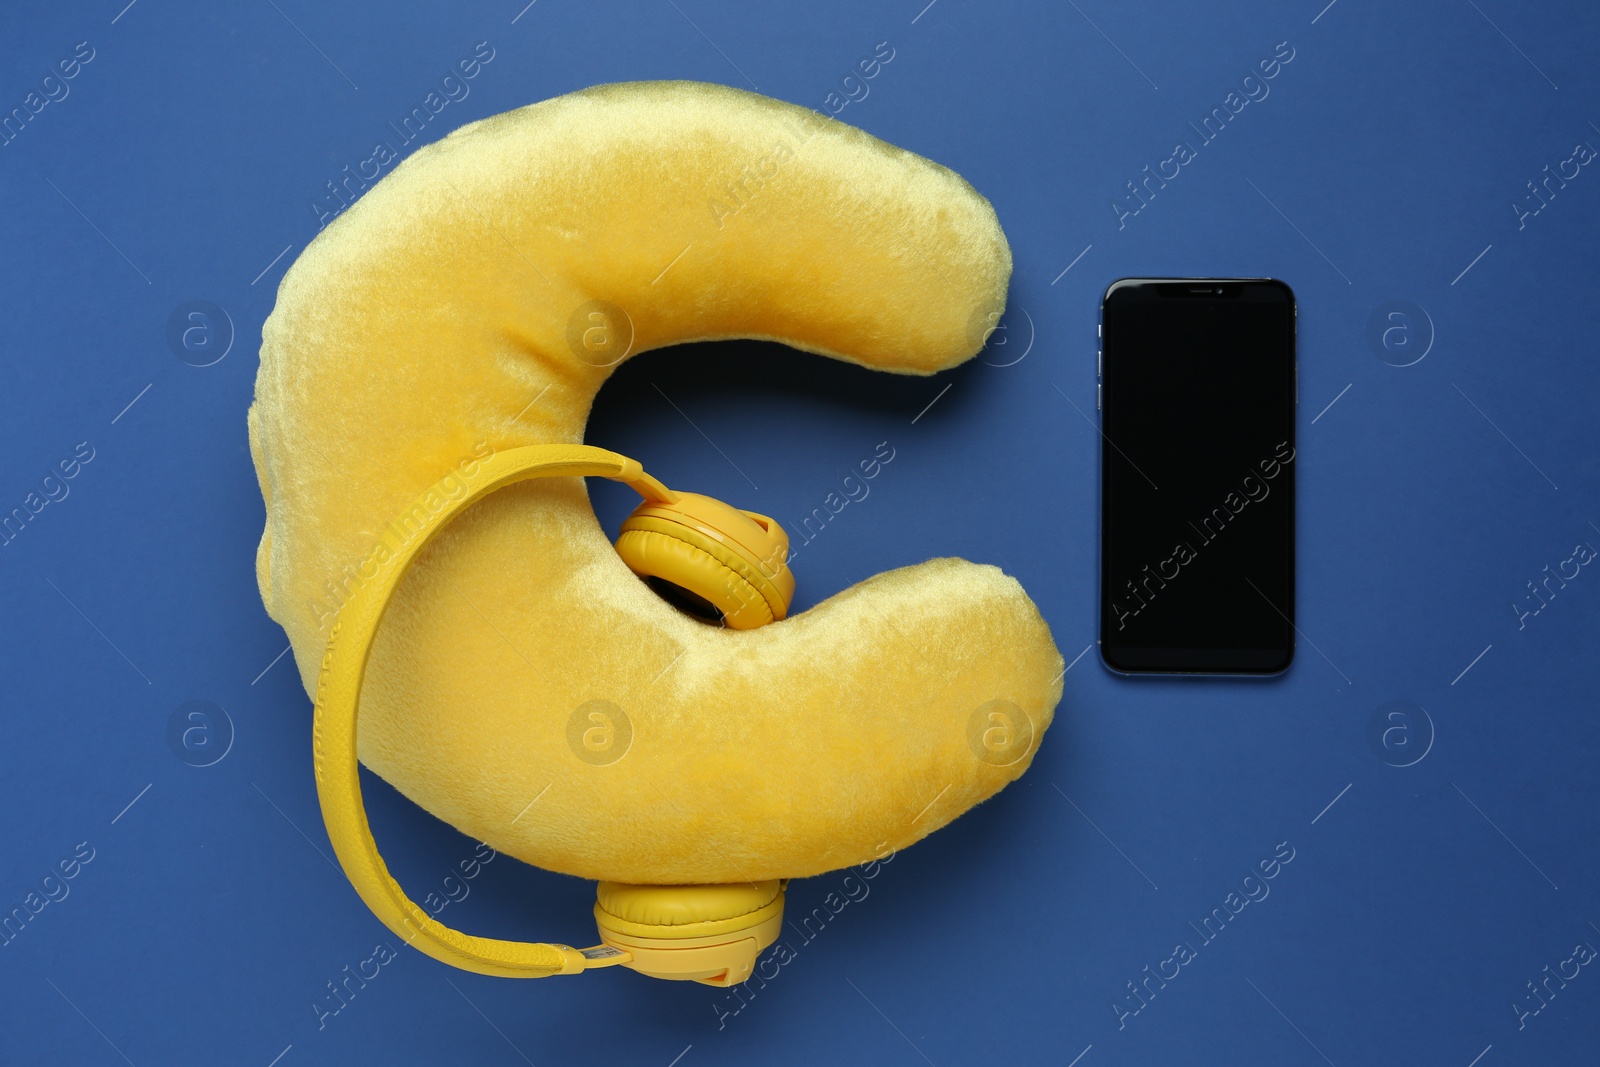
(1197, 476)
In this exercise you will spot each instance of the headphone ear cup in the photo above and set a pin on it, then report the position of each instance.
(710, 934)
(696, 574)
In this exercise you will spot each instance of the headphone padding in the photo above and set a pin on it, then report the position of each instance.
(684, 912)
(658, 905)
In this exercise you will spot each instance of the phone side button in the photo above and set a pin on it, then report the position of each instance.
(1097, 397)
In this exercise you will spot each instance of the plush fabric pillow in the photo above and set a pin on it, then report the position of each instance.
(452, 312)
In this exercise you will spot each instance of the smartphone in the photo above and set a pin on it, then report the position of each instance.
(1197, 398)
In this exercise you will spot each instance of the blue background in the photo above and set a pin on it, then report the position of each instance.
(1381, 167)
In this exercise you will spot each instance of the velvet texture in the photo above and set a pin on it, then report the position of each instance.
(441, 317)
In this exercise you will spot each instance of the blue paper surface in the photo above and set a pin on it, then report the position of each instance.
(1421, 785)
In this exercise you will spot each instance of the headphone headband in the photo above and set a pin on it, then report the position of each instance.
(344, 665)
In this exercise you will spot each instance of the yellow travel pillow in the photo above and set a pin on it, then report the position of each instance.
(472, 303)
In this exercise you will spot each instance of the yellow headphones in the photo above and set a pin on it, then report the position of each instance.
(705, 557)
